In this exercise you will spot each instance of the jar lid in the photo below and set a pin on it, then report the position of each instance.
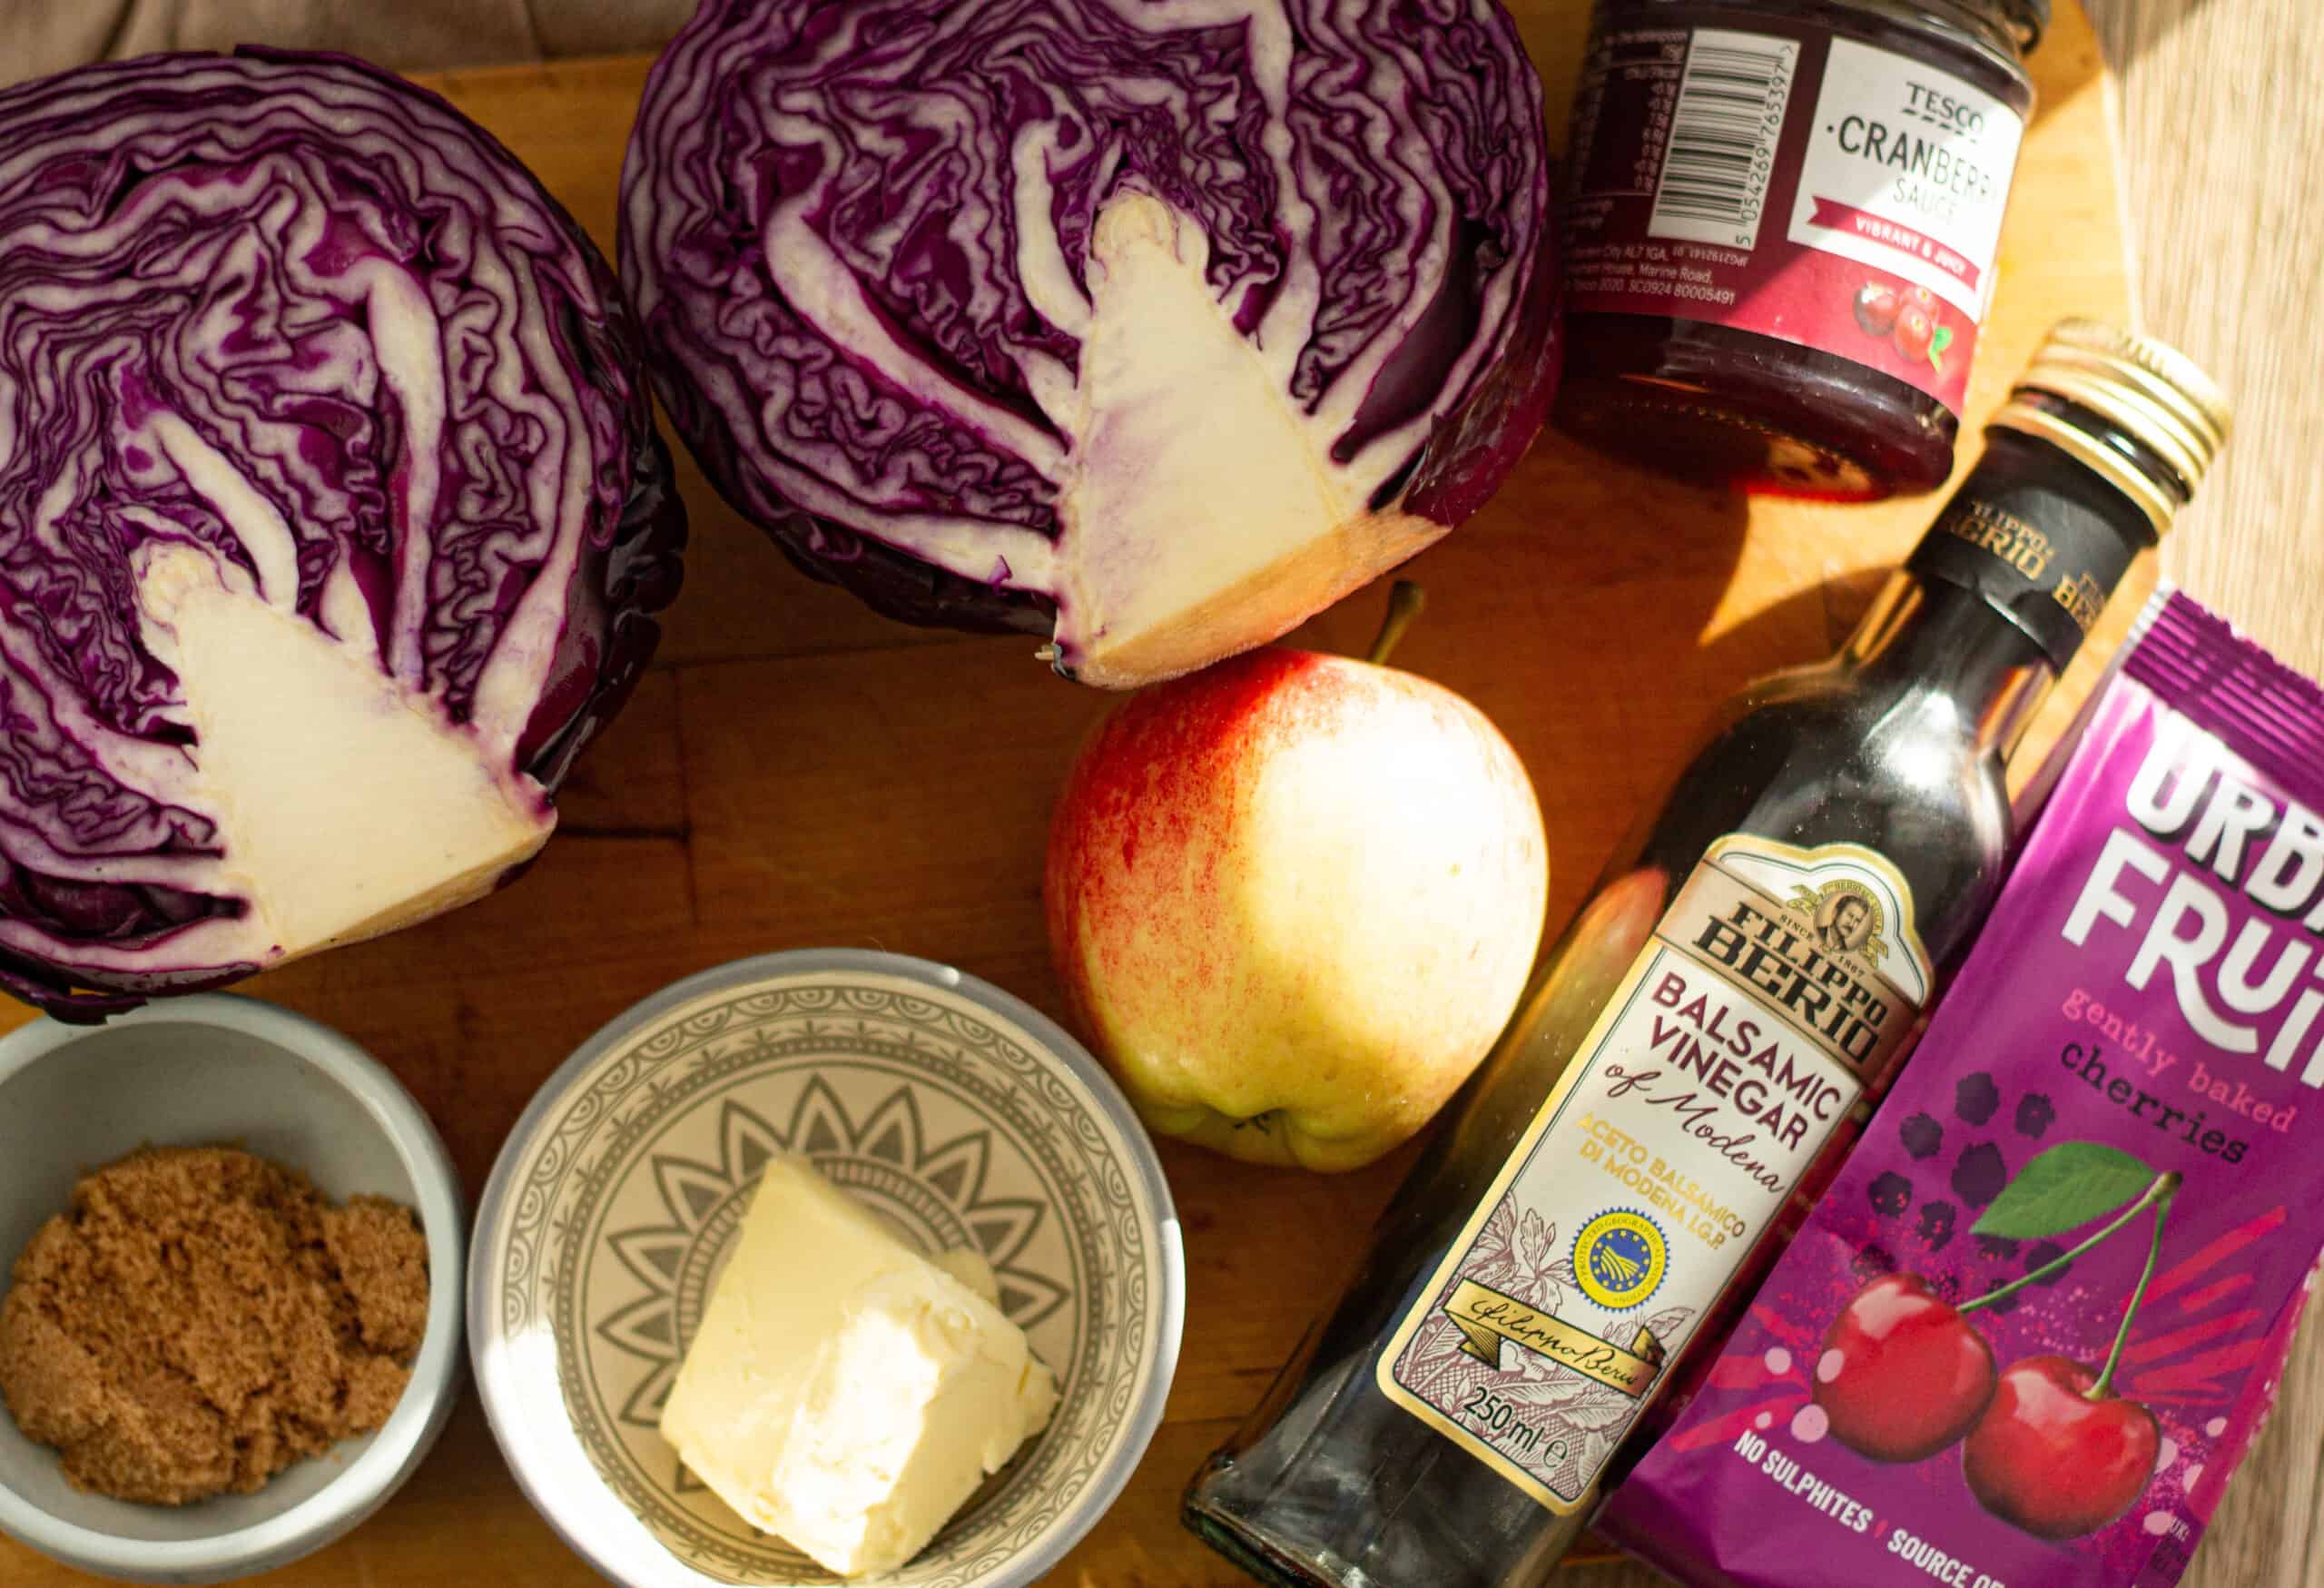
(2024, 20)
(2029, 18)
(2134, 387)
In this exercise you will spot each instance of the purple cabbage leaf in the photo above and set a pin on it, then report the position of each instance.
(332, 516)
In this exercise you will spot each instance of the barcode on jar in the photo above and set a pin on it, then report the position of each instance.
(1724, 130)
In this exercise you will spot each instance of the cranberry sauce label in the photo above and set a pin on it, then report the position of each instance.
(1785, 182)
(2037, 1319)
(1776, 984)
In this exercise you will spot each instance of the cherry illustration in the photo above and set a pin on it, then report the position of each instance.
(1902, 1375)
(1876, 304)
(2048, 1459)
(2057, 1453)
(1918, 297)
(1916, 332)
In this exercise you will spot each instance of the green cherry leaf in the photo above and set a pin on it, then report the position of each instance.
(1942, 340)
(2068, 1186)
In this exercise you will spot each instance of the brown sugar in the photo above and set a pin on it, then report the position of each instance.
(202, 1319)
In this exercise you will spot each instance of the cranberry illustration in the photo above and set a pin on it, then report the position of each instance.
(2042, 1256)
(1876, 305)
(1923, 1136)
(2035, 1114)
(1920, 298)
(1892, 1193)
(1902, 1375)
(1976, 1098)
(2050, 1461)
(1980, 1174)
(1916, 332)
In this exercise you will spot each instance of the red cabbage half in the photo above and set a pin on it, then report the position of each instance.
(1157, 325)
(331, 513)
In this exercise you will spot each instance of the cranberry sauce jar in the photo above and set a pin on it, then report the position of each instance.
(1781, 226)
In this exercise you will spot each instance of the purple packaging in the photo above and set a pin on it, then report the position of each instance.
(2039, 1316)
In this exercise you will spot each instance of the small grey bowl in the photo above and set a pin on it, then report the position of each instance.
(206, 1070)
(958, 1113)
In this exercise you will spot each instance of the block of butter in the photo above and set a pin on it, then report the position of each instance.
(844, 1392)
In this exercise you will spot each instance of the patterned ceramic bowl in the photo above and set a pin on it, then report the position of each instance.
(956, 1110)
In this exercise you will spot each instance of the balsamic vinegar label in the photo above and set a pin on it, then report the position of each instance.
(1778, 982)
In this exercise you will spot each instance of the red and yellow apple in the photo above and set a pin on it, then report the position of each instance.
(1292, 899)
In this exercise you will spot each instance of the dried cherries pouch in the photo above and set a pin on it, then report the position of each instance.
(2038, 1318)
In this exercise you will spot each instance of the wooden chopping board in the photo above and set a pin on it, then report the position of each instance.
(797, 771)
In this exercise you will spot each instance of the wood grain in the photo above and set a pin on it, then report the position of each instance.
(2220, 123)
(798, 772)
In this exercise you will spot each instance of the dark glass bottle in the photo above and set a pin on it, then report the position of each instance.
(1790, 353)
(1751, 960)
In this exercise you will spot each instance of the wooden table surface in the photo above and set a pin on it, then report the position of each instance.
(796, 772)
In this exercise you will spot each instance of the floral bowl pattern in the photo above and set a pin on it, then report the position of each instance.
(956, 1111)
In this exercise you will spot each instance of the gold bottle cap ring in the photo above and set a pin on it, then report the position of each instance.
(2144, 388)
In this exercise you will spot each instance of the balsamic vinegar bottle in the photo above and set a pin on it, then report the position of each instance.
(1749, 965)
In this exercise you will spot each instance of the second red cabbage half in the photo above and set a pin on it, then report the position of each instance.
(1153, 326)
